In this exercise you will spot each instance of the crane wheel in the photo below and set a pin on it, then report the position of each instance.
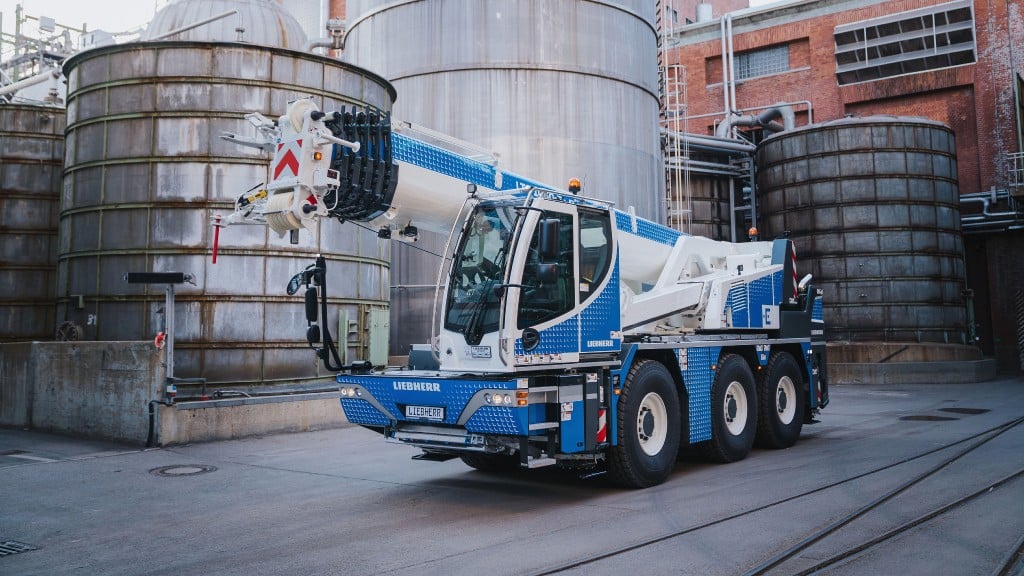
(648, 425)
(780, 393)
(733, 412)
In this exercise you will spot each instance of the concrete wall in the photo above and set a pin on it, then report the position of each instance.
(104, 389)
(95, 389)
(188, 422)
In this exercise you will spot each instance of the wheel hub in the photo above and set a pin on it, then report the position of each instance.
(652, 424)
(735, 408)
(785, 389)
(646, 424)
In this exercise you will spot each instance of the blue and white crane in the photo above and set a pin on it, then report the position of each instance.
(570, 332)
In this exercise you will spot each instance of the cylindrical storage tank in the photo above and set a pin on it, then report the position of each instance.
(262, 22)
(145, 172)
(557, 89)
(706, 202)
(31, 158)
(872, 206)
(704, 12)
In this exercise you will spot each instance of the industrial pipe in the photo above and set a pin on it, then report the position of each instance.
(763, 120)
(712, 143)
(30, 81)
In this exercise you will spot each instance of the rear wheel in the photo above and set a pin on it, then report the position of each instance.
(648, 427)
(733, 412)
(781, 395)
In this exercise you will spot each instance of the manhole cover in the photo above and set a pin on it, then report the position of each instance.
(183, 470)
(970, 411)
(927, 418)
(8, 547)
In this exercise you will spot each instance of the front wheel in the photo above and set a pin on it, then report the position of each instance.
(733, 412)
(648, 427)
(781, 394)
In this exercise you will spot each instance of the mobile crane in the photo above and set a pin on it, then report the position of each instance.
(570, 332)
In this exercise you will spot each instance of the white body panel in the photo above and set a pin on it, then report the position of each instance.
(426, 199)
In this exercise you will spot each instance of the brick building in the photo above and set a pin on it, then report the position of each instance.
(958, 62)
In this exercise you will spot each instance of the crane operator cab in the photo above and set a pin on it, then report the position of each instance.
(526, 265)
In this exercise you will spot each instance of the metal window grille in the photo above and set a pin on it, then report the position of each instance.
(928, 38)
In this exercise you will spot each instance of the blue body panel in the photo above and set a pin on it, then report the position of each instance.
(646, 229)
(749, 301)
(695, 365)
(600, 317)
(457, 166)
(387, 395)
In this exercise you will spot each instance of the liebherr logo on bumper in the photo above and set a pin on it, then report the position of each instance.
(416, 386)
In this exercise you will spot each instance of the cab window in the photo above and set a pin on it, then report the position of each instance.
(595, 251)
(542, 300)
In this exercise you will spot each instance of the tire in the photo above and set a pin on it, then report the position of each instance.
(648, 427)
(781, 395)
(493, 463)
(733, 412)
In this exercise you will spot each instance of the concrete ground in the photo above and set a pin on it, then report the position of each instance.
(344, 502)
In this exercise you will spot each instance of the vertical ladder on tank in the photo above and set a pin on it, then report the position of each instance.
(679, 212)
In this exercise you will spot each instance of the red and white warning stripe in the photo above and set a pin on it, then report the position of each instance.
(288, 154)
(602, 426)
(796, 281)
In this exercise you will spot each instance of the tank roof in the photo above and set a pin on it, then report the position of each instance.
(875, 119)
(260, 22)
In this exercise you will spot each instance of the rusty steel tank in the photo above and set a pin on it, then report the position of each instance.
(873, 207)
(31, 157)
(556, 90)
(146, 171)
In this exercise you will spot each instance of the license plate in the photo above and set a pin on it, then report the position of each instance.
(425, 412)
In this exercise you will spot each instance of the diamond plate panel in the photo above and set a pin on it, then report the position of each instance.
(499, 420)
(453, 395)
(450, 164)
(646, 229)
(763, 293)
(697, 377)
(359, 411)
(558, 339)
(601, 316)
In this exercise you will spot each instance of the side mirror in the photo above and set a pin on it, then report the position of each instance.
(547, 273)
(549, 240)
(311, 305)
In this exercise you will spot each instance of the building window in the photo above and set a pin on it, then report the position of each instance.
(929, 38)
(762, 62)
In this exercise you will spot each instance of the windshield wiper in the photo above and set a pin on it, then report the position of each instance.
(473, 329)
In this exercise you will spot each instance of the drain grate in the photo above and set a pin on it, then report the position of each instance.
(8, 547)
(183, 470)
(927, 418)
(967, 411)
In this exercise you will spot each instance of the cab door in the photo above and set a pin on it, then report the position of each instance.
(542, 311)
